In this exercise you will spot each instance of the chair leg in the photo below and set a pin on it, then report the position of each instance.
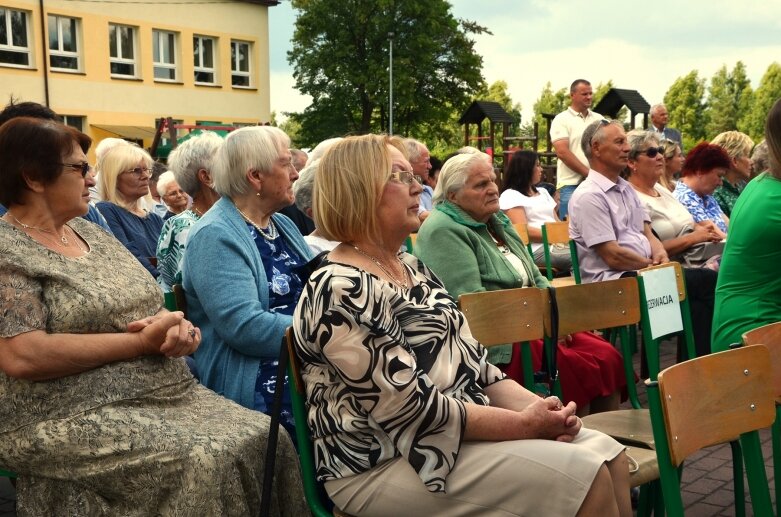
(776, 440)
(757, 477)
(737, 479)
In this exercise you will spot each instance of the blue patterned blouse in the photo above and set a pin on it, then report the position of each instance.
(701, 208)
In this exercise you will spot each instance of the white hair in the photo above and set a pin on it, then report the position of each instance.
(321, 148)
(191, 156)
(454, 173)
(248, 148)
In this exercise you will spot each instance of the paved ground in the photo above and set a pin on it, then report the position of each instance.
(706, 486)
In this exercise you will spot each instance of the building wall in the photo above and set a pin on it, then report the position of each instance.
(109, 101)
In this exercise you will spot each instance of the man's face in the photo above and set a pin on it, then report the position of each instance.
(659, 118)
(422, 164)
(612, 150)
(581, 97)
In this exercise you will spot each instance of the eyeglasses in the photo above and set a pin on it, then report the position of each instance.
(138, 171)
(174, 193)
(406, 177)
(82, 167)
(651, 152)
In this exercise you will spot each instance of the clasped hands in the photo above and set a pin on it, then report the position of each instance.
(165, 333)
(554, 421)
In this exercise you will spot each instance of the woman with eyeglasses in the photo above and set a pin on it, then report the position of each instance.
(174, 197)
(673, 162)
(99, 414)
(696, 245)
(408, 415)
(123, 184)
(245, 267)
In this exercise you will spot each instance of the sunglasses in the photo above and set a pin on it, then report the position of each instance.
(406, 177)
(82, 167)
(651, 152)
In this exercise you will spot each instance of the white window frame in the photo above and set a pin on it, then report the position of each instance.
(59, 51)
(235, 72)
(74, 121)
(159, 42)
(198, 58)
(10, 45)
(120, 58)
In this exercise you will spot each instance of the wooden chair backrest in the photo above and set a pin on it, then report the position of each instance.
(413, 239)
(714, 398)
(600, 305)
(770, 336)
(295, 364)
(504, 316)
(557, 232)
(523, 232)
(181, 300)
(678, 276)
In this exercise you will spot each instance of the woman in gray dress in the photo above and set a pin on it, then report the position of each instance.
(100, 415)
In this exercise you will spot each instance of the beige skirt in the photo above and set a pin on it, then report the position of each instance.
(520, 477)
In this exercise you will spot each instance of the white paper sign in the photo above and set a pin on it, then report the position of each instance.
(664, 308)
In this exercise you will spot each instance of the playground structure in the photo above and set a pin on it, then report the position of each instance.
(168, 129)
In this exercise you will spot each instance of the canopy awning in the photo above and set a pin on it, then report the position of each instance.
(132, 132)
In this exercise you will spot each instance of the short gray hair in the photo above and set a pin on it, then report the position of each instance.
(167, 178)
(320, 149)
(304, 186)
(657, 107)
(454, 173)
(191, 156)
(638, 139)
(594, 132)
(760, 157)
(414, 149)
(247, 148)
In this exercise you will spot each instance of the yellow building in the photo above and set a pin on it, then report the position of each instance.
(113, 68)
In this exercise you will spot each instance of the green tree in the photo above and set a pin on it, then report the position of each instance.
(768, 91)
(728, 94)
(686, 107)
(340, 58)
(551, 103)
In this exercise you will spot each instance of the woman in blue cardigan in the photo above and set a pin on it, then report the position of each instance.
(241, 272)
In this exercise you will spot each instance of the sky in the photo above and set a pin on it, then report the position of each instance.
(641, 46)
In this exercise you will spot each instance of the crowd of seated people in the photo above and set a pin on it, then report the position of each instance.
(398, 391)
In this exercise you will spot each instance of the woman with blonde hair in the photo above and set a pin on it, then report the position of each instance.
(123, 184)
(409, 415)
(673, 163)
(738, 146)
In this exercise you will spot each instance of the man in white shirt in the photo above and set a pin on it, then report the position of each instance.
(565, 132)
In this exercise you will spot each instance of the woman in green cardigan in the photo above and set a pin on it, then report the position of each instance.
(472, 246)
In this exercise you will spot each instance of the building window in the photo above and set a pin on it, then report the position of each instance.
(164, 50)
(63, 43)
(122, 49)
(75, 121)
(240, 63)
(203, 58)
(14, 37)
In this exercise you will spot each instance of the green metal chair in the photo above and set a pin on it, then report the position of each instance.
(707, 401)
(770, 336)
(7, 474)
(507, 316)
(558, 233)
(522, 229)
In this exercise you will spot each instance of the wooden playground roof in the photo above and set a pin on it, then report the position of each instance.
(616, 98)
(480, 110)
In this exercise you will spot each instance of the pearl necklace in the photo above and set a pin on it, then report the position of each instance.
(269, 234)
(403, 283)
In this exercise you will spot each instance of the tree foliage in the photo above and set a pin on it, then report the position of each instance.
(340, 57)
(686, 106)
(729, 94)
(768, 91)
(548, 102)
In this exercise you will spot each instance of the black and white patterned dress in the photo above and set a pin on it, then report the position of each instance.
(387, 371)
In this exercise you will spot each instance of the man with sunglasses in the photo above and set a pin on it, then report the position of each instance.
(565, 133)
(35, 110)
(609, 224)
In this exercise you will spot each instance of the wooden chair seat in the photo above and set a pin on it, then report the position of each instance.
(563, 281)
(628, 426)
(647, 466)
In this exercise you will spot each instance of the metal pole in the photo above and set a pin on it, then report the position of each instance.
(390, 99)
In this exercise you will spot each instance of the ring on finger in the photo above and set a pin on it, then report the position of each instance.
(191, 332)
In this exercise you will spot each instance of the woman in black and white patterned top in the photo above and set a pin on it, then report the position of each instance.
(406, 413)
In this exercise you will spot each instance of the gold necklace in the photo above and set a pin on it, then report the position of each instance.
(403, 283)
(63, 239)
(269, 234)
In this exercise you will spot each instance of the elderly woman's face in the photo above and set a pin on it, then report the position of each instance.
(645, 166)
(479, 197)
(133, 183)
(277, 184)
(175, 198)
(743, 166)
(69, 193)
(709, 181)
(398, 208)
(674, 164)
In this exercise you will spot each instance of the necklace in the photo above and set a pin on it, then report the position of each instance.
(403, 283)
(197, 212)
(269, 234)
(63, 239)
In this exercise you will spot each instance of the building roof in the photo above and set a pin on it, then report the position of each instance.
(480, 110)
(616, 98)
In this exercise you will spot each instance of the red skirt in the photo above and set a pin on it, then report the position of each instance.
(589, 367)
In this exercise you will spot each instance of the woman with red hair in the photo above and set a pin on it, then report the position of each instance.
(702, 172)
